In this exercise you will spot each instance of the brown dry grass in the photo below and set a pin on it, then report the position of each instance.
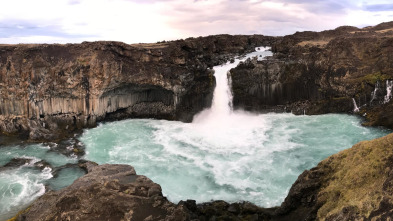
(359, 173)
(150, 45)
(319, 43)
(385, 30)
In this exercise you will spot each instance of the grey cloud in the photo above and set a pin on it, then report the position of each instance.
(244, 17)
(20, 28)
(379, 7)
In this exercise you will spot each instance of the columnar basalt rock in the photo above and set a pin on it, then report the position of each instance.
(49, 91)
(320, 72)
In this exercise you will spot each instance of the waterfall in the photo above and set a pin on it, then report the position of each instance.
(221, 109)
(388, 96)
(355, 107)
(374, 93)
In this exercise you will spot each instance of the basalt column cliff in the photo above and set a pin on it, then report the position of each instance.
(49, 91)
(340, 70)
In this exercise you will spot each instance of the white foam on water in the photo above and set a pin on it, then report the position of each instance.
(19, 187)
(257, 163)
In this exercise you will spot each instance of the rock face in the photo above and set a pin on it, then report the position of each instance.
(354, 184)
(320, 72)
(49, 91)
(107, 192)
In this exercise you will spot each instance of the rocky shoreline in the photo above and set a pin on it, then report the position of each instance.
(354, 184)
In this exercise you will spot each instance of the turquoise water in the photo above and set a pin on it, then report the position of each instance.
(21, 185)
(233, 157)
(245, 157)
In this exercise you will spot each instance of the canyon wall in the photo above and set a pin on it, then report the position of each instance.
(49, 91)
(322, 72)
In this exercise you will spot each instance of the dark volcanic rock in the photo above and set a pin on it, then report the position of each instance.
(320, 72)
(221, 210)
(48, 92)
(17, 162)
(107, 192)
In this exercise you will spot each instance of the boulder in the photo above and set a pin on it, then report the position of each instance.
(107, 192)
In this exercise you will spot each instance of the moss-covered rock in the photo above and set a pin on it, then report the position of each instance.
(354, 184)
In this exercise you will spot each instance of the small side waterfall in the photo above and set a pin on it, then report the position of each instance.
(388, 96)
(374, 93)
(355, 107)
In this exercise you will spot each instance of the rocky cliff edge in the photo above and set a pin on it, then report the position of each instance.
(322, 72)
(48, 92)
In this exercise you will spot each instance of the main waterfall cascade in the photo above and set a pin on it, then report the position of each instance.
(221, 111)
(222, 155)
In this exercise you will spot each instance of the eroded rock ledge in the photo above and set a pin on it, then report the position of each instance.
(50, 91)
(354, 184)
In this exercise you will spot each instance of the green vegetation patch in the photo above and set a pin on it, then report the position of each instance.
(373, 78)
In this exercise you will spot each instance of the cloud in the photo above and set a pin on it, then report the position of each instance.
(96, 19)
(245, 17)
(135, 21)
(379, 7)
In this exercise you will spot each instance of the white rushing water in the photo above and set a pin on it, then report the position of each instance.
(355, 106)
(389, 86)
(21, 185)
(375, 92)
(225, 154)
(220, 115)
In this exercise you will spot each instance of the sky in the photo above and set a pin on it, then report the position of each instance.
(147, 21)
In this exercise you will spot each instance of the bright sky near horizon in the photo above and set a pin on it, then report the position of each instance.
(135, 21)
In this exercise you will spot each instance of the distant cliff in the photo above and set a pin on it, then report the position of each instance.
(49, 91)
(320, 72)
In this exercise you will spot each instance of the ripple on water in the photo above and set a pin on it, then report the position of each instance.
(248, 157)
(22, 185)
